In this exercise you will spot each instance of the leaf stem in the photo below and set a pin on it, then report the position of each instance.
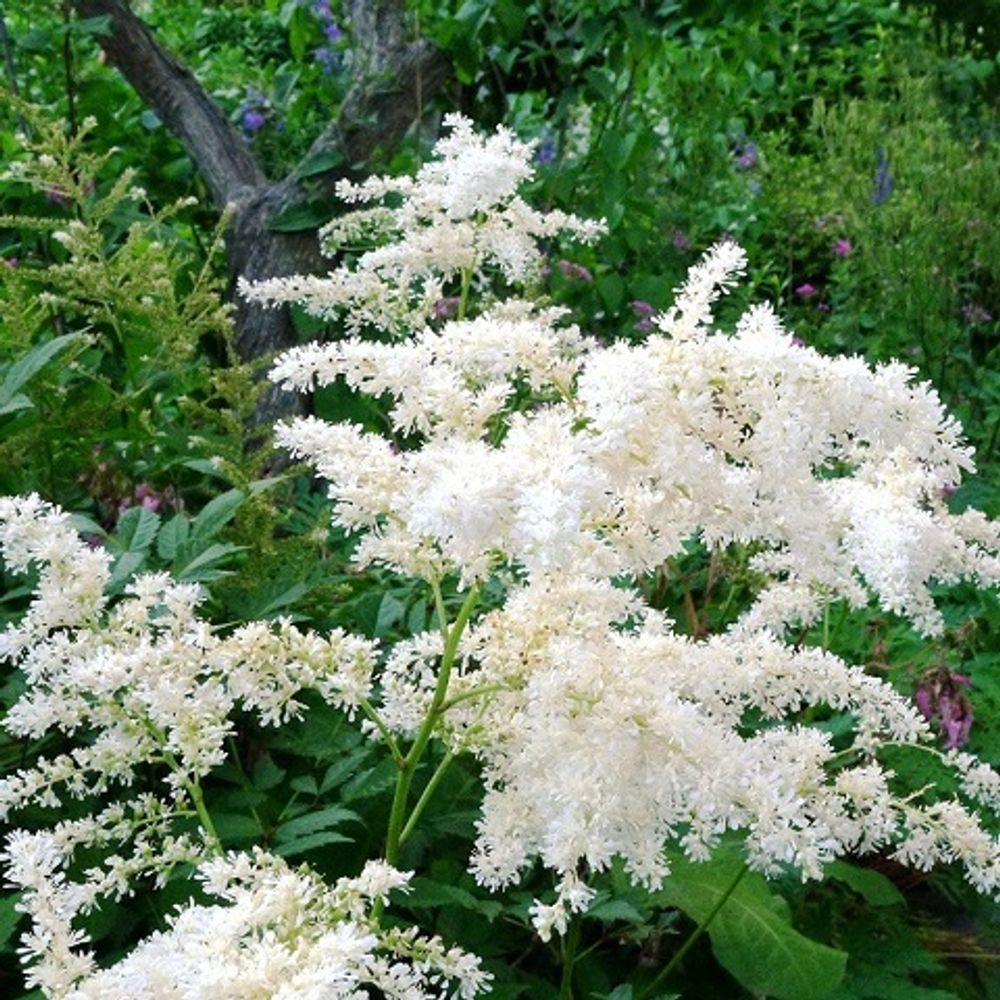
(410, 762)
(664, 973)
(425, 796)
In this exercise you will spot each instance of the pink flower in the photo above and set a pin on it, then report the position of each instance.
(805, 291)
(843, 247)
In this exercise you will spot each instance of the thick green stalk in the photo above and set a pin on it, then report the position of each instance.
(409, 764)
(570, 946)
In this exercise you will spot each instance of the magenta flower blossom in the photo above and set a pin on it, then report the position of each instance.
(805, 290)
(843, 247)
(940, 699)
(973, 313)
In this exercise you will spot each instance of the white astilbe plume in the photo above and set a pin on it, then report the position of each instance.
(460, 213)
(602, 732)
(281, 933)
(145, 685)
(834, 470)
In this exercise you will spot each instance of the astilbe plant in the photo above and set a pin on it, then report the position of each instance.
(556, 472)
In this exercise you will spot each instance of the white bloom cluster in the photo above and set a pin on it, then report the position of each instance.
(281, 933)
(604, 733)
(834, 470)
(461, 214)
(145, 685)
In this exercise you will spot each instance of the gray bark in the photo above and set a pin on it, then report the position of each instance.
(392, 78)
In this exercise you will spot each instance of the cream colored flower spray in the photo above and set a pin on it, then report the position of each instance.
(558, 472)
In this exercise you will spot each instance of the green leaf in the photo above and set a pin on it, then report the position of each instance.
(31, 364)
(297, 218)
(309, 842)
(872, 885)
(125, 566)
(136, 530)
(425, 893)
(321, 819)
(197, 568)
(172, 535)
(9, 917)
(16, 404)
(750, 934)
(319, 163)
(615, 909)
(236, 827)
(217, 513)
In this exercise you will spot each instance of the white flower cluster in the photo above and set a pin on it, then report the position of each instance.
(835, 471)
(461, 214)
(145, 685)
(281, 933)
(602, 731)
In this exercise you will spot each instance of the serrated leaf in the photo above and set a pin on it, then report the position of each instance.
(195, 569)
(321, 819)
(217, 513)
(172, 536)
(309, 842)
(304, 783)
(136, 530)
(125, 566)
(750, 934)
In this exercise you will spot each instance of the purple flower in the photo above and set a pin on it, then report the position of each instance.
(328, 58)
(746, 156)
(973, 313)
(940, 698)
(798, 342)
(546, 152)
(679, 239)
(56, 196)
(321, 9)
(574, 272)
(11, 262)
(333, 32)
(883, 185)
(253, 120)
(643, 312)
(805, 291)
(447, 307)
(843, 247)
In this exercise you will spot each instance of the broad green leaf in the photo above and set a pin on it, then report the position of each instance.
(32, 363)
(9, 917)
(217, 513)
(319, 163)
(872, 885)
(125, 566)
(136, 530)
(172, 535)
(236, 827)
(751, 935)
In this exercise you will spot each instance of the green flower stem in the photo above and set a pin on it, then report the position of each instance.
(425, 796)
(695, 935)
(409, 764)
(366, 706)
(571, 944)
(194, 787)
